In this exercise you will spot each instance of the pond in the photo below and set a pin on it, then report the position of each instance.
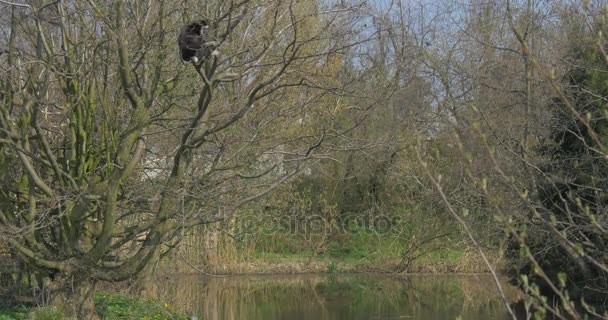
(329, 297)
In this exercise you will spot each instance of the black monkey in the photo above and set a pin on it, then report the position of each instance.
(194, 42)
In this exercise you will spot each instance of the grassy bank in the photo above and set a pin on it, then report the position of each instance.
(445, 261)
(110, 306)
(414, 243)
(438, 261)
(117, 306)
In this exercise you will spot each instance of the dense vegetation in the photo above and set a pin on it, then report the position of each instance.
(333, 135)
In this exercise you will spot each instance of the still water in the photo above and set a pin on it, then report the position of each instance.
(329, 297)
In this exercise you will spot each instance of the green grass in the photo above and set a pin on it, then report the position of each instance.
(447, 255)
(364, 244)
(116, 306)
(110, 306)
(46, 313)
(368, 250)
(7, 313)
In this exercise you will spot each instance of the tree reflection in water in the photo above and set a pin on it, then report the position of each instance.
(327, 297)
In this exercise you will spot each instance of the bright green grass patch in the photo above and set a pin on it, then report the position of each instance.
(447, 255)
(13, 312)
(114, 306)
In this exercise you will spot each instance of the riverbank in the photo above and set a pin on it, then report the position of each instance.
(439, 262)
(110, 306)
(330, 296)
(119, 302)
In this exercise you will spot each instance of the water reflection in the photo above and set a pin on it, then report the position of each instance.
(325, 297)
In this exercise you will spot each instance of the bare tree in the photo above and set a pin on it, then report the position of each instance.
(110, 147)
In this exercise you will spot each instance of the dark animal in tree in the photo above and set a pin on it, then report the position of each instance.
(195, 44)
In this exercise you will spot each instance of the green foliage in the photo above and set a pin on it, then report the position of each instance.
(115, 306)
(569, 247)
(46, 313)
(12, 313)
(110, 306)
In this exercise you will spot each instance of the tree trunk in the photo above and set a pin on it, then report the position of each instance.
(75, 295)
